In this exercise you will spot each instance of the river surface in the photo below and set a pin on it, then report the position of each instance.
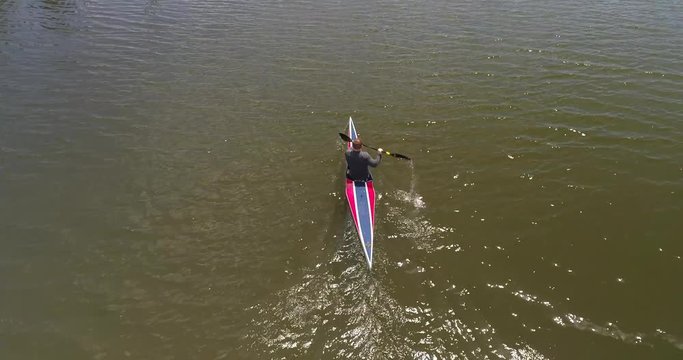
(171, 179)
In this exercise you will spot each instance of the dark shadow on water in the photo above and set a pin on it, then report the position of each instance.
(152, 7)
(58, 15)
(59, 6)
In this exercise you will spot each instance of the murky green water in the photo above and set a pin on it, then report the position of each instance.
(171, 179)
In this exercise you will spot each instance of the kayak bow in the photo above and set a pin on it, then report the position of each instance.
(361, 198)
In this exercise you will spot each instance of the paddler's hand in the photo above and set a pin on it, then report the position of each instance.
(380, 151)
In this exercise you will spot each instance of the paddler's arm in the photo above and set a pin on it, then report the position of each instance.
(374, 162)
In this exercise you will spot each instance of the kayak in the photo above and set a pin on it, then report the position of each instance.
(361, 198)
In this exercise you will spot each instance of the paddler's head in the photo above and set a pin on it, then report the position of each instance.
(357, 144)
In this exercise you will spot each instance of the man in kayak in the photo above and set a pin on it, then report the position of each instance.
(357, 162)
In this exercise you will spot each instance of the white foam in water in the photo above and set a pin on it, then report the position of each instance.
(412, 225)
(411, 197)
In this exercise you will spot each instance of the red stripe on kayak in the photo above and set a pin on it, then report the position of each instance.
(352, 201)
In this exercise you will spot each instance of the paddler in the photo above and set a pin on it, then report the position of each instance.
(357, 161)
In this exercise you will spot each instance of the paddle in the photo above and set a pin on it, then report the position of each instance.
(348, 139)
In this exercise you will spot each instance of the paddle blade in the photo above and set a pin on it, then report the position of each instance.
(400, 156)
(345, 137)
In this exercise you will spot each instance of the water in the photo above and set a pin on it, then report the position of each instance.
(171, 179)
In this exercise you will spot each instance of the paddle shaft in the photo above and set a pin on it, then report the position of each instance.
(400, 156)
